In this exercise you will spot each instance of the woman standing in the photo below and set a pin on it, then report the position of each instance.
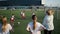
(5, 26)
(48, 21)
(34, 27)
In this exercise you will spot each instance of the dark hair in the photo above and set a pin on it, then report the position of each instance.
(12, 14)
(4, 16)
(5, 20)
(48, 12)
(33, 17)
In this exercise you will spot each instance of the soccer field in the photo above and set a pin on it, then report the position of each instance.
(21, 28)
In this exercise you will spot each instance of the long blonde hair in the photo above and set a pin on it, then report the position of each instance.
(4, 19)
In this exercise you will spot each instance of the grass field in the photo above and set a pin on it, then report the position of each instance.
(21, 28)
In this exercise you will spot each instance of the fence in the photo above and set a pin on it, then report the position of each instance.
(34, 8)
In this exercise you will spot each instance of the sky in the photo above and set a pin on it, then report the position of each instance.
(51, 3)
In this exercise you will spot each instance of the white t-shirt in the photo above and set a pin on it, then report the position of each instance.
(37, 29)
(23, 14)
(48, 22)
(8, 28)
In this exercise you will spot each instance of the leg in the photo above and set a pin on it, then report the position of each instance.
(45, 32)
(49, 32)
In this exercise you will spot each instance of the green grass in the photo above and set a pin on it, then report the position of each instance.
(21, 29)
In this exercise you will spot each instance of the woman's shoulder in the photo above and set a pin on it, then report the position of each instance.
(38, 23)
(30, 23)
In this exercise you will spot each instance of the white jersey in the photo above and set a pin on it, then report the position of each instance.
(48, 22)
(38, 26)
(8, 28)
(23, 14)
(12, 16)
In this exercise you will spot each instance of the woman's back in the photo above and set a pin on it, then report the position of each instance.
(37, 29)
(8, 28)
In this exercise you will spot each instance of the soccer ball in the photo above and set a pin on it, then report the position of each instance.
(18, 22)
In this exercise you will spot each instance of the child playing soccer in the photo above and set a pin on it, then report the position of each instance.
(23, 15)
(12, 19)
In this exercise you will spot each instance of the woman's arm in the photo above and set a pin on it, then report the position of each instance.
(42, 27)
(28, 28)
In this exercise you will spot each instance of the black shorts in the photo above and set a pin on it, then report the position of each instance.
(48, 32)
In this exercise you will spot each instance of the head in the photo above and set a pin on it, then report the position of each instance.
(4, 20)
(34, 18)
(50, 12)
(23, 11)
(12, 14)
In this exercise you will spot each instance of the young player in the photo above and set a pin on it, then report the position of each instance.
(35, 27)
(48, 22)
(5, 26)
(23, 15)
(12, 19)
